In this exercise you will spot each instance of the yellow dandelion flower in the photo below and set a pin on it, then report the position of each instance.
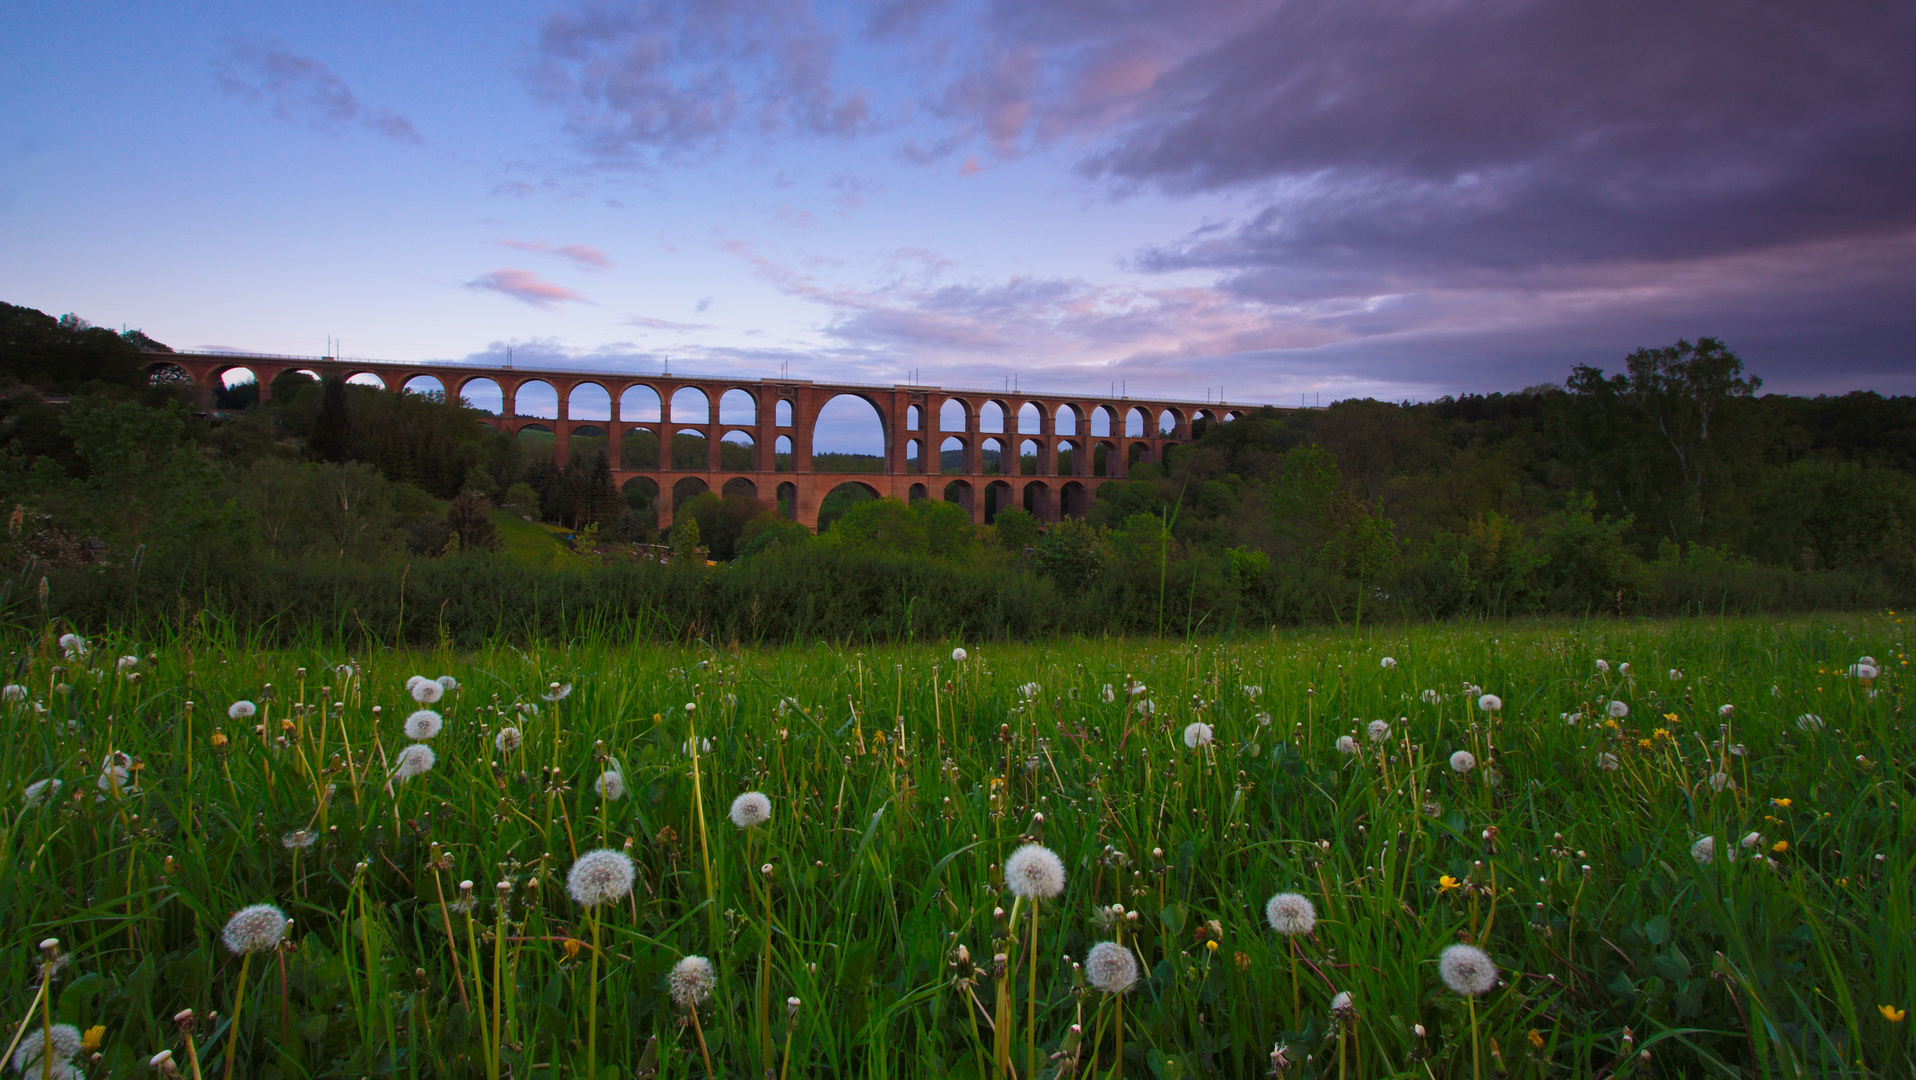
(92, 1039)
(1536, 1039)
(1447, 883)
(1780, 846)
(1784, 803)
(1643, 744)
(1891, 1013)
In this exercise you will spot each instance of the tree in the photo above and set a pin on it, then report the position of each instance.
(685, 543)
(1071, 554)
(470, 517)
(1016, 529)
(332, 435)
(1360, 545)
(598, 500)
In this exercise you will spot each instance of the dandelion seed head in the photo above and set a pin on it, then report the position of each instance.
(691, 981)
(1617, 710)
(1387, 662)
(1462, 762)
(600, 876)
(40, 791)
(557, 692)
(1034, 871)
(1430, 697)
(127, 662)
(610, 785)
(415, 760)
(241, 710)
(1343, 1004)
(299, 839)
(1608, 762)
(1197, 735)
(425, 691)
(1379, 730)
(1704, 851)
(255, 929)
(1603, 667)
(1490, 703)
(1623, 669)
(751, 810)
(1346, 744)
(1291, 914)
(1726, 711)
(1809, 722)
(959, 656)
(65, 1044)
(1467, 970)
(1110, 968)
(13, 692)
(448, 683)
(73, 646)
(423, 724)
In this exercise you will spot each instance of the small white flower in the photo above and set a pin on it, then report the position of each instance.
(1197, 735)
(127, 662)
(40, 791)
(1029, 690)
(255, 929)
(959, 656)
(415, 760)
(1617, 710)
(507, 740)
(1726, 711)
(751, 810)
(1387, 662)
(1035, 872)
(448, 683)
(1290, 914)
(1379, 730)
(1704, 851)
(1346, 744)
(1342, 1004)
(691, 981)
(1863, 671)
(1108, 694)
(599, 877)
(704, 746)
(1623, 670)
(1676, 675)
(1462, 762)
(73, 646)
(1253, 692)
(1603, 667)
(1490, 703)
(423, 724)
(241, 710)
(1110, 968)
(557, 692)
(1467, 970)
(13, 692)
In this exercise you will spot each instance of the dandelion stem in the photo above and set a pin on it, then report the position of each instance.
(1476, 1060)
(239, 1000)
(592, 1005)
(1031, 1000)
(452, 943)
(698, 1032)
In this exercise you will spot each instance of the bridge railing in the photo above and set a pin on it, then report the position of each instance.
(965, 391)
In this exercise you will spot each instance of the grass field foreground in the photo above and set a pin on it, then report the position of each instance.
(1685, 849)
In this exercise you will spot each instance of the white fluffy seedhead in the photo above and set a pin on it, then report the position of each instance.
(600, 877)
(610, 785)
(241, 710)
(1346, 744)
(959, 656)
(1290, 914)
(415, 760)
(1617, 710)
(425, 691)
(1035, 872)
(1462, 762)
(1704, 851)
(65, 1044)
(1467, 970)
(691, 981)
(1110, 969)
(507, 740)
(255, 929)
(1198, 735)
(1378, 730)
(751, 810)
(424, 724)
(1490, 703)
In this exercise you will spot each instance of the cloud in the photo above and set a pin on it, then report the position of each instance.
(648, 323)
(527, 286)
(647, 82)
(586, 258)
(299, 89)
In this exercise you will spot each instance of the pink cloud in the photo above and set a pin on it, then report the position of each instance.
(589, 258)
(527, 286)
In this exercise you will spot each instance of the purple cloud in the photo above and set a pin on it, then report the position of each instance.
(299, 89)
(586, 258)
(527, 286)
(650, 81)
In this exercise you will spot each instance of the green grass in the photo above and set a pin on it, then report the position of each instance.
(531, 542)
(900, 780)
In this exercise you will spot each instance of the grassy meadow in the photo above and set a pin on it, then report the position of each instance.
(866, 929)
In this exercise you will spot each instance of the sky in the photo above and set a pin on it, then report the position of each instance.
(1271, 201)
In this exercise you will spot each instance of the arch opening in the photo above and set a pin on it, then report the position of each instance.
(1067, 420)
(1028, 452)
(537, 442)
(1101, 459)
(639, 404)
(586, 443)
(1102, 417)
(483, 395)
(366, 379)
(1135, 423)
(425, 386)
(918, 494)
(914, 456)
(782, 454)
(997, 500)
(1169, 421)
(848, 436)
(787, 498)
(953, 415)
(914, 416)
(841, 500)
(691, 406)
(991, 417)
(689, 451)
(951, 456)
(588, 401)
(738, 406)
(1067, 459)
(738, 452)
(639, 449)
(536, 398)
(1030, 419)
(739, 485)
(959, 493)
(1072, 501)
(1037, 500)
(164, 374)
(686, 488)
(991, 457)
(782, 413)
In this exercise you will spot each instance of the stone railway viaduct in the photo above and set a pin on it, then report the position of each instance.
(1104, 436)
